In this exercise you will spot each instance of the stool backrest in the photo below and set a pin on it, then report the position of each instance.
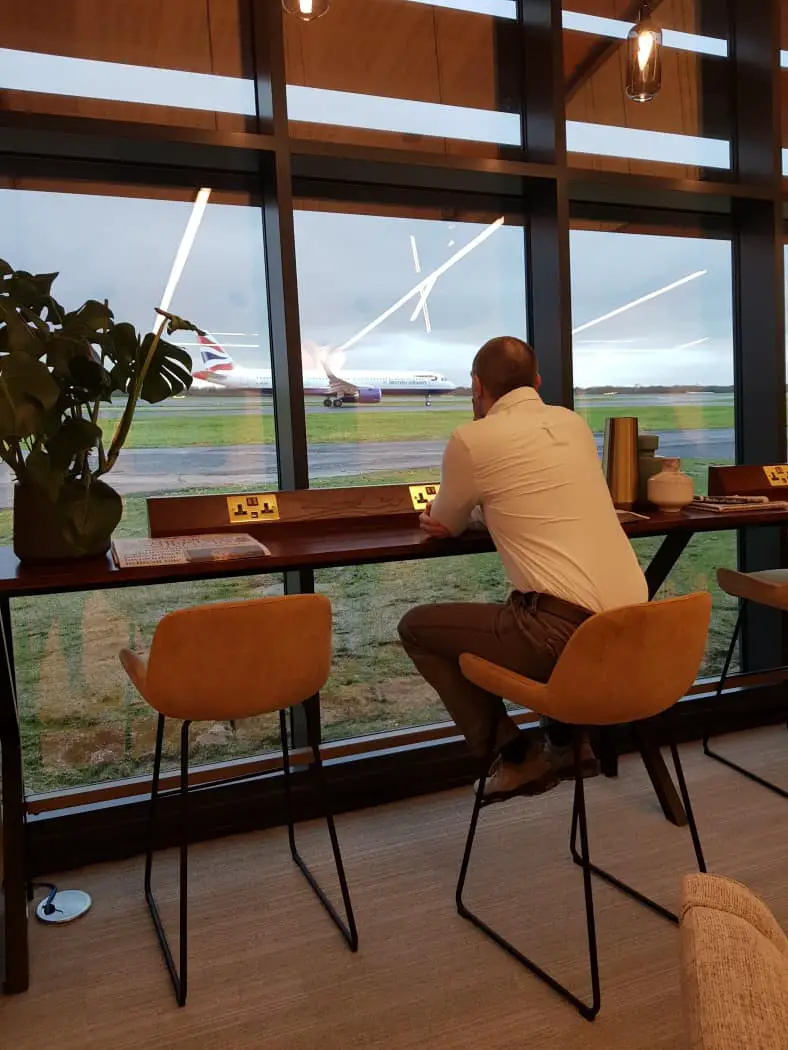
(631, 663)
(233, 660)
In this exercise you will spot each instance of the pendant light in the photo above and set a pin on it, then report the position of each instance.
(644, 58)
(306, 10)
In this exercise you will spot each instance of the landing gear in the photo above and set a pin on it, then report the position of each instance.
(327, 402)
(338, 402)
(427, 401)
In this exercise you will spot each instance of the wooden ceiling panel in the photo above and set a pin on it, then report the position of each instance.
(201, 36)
(784, 106)
(171, 34)
(392, 49)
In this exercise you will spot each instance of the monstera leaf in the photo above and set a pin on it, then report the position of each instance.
(45, 473)
(71, 439)
(27, 390)
(89, 513)
(169, 371)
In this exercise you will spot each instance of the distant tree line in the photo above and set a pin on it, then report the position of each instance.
(595, 391)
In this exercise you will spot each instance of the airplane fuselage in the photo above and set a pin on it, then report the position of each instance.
(315, 383)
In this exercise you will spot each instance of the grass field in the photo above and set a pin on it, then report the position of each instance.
(187, 429)
(82, 722)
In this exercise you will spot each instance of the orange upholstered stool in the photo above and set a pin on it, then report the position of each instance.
(770, 588)
(263, 655)
(618, 667)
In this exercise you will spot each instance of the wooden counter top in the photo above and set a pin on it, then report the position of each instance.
(325, 544)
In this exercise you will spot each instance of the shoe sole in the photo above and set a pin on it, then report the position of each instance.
(528, 789)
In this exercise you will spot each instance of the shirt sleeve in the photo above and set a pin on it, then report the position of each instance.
(454, 504)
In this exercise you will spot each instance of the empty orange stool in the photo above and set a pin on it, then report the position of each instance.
(264, 655)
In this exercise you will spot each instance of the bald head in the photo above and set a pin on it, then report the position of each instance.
(505, 364)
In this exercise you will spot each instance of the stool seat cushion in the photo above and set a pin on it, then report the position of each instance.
(233, 660)
(136, 667)
(502, 682)
(769, 587)
(619, 666)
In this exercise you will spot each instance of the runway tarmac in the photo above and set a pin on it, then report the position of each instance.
(250, 403)
(168, 470)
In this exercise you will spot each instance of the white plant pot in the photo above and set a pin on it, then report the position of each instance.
(670, 490)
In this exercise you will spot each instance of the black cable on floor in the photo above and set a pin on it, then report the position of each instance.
(48, 907)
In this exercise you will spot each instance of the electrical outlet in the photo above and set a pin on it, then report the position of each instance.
(422, 495)
(257, 508)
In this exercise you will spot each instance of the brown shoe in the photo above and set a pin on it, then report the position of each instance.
(533, 776)
(562, 760)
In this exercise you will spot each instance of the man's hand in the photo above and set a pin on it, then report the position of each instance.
(431, 527)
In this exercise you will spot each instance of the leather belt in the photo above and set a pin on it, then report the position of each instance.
(533, 600)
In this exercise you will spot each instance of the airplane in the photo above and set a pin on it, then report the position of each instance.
(217, 371)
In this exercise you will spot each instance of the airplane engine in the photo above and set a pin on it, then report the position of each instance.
(369, 395)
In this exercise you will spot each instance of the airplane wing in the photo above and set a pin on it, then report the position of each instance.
(338, 387)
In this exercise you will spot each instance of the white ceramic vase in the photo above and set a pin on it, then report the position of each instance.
(670, 490)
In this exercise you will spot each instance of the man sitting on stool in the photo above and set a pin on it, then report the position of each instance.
(531, 473)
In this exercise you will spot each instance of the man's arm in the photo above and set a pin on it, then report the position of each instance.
(457, 497)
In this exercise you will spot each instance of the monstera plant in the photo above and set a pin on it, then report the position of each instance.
(57, 369)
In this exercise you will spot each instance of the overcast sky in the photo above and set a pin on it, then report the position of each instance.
(351, 268)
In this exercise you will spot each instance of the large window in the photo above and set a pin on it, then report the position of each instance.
(653, 338)
(398, 305)
(82, 721)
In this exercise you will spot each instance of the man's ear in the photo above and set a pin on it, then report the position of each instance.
(537, 381)
(476, 386)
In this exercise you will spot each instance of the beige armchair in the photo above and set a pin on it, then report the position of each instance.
(734, 968)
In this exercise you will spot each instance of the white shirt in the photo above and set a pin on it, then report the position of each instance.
(535, 472)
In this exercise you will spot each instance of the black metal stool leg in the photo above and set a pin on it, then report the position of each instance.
(630, 891)
(347, 929)
(477, 805)
(715, 754)
(178, 978)
(685, 798)
(586, 1011)
(725, 668)
(579, 808)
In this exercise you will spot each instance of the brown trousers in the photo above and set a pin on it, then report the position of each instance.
(512, 635)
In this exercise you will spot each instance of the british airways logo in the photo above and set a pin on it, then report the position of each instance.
(216, 360)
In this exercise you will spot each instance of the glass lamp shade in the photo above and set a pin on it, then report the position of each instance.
(644, 60)
(306, 10)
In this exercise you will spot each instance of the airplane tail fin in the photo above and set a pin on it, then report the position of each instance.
(213, 358)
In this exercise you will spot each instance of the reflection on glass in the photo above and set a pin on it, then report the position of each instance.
(653, 338)
(398, 306)
(393, 310)
(81, 721)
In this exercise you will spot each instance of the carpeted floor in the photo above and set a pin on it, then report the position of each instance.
(268, 970)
